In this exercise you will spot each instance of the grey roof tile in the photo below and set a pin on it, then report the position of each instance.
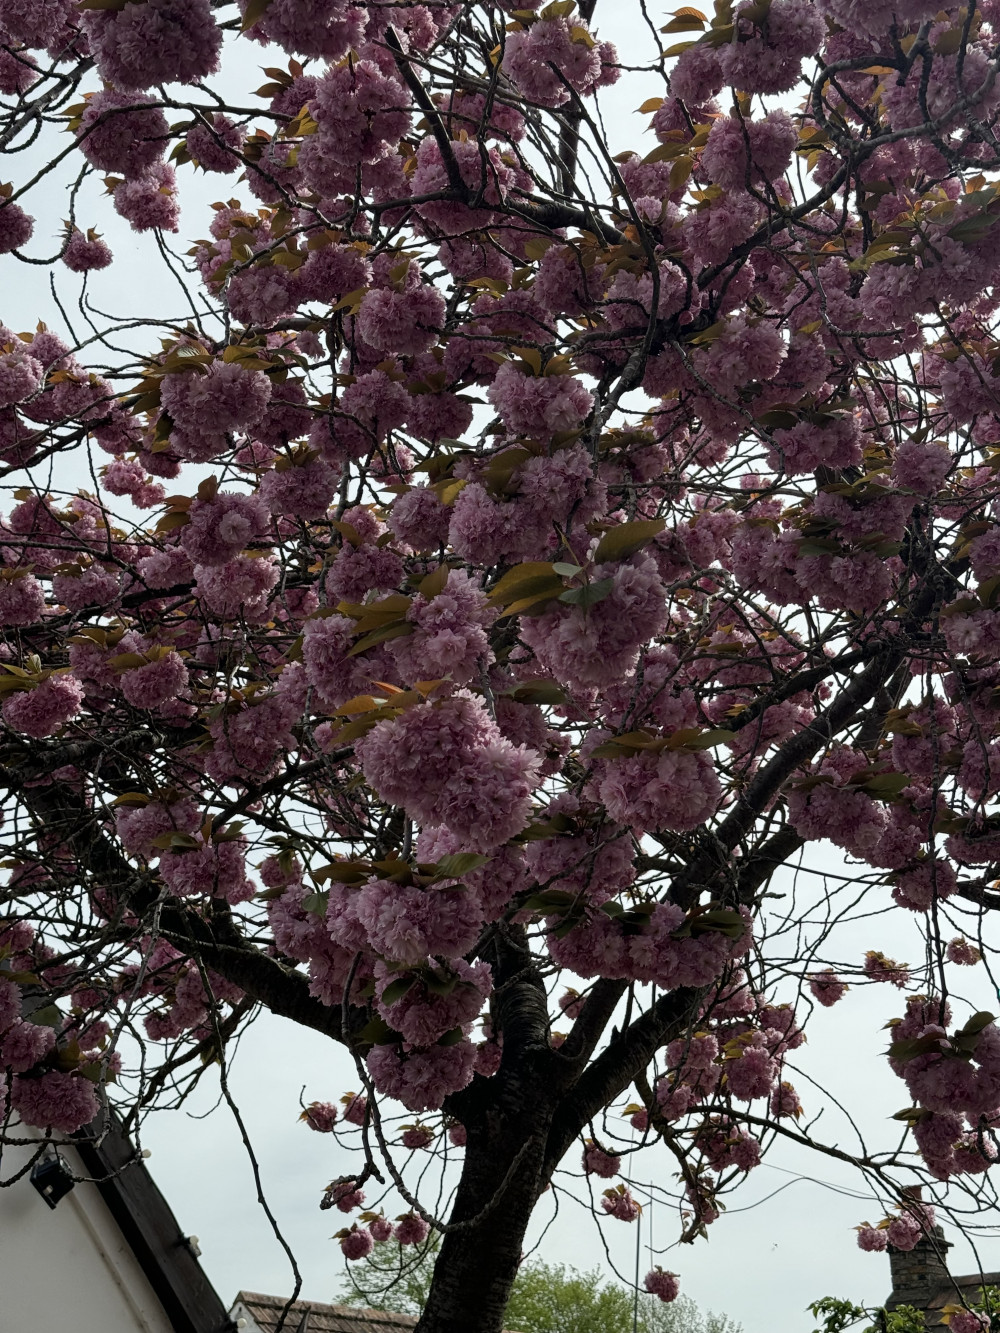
(318, 1318)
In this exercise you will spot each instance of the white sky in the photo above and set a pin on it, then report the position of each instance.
(787, 1238)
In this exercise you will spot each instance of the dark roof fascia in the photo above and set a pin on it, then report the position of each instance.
(150, 1229)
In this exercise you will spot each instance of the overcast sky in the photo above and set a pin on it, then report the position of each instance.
(787, 1236)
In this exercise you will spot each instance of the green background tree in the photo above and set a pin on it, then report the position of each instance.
(546, 1298)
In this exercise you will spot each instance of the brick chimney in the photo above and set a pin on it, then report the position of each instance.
(919, 1274)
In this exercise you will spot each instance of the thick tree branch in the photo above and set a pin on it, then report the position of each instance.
(614, 1069)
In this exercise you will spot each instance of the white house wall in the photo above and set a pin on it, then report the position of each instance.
(68, 1268)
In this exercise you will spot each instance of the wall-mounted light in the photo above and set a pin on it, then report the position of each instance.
(51, 1176)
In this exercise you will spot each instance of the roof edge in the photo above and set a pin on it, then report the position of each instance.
(149, 1228)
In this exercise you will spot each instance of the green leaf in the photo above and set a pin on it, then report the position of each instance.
(451, 1038)
(317, 903)
(127, 661)
(254, 12)
(690, 738)
(342, 872)
(913, 1046)
(546, 828)
(566, 571)
(398, 629)
(589, 595)
(550, 900)
(534, 605)
(440, 985)
(684, 23)
(377, 1032)
(348, 531)
(272, 895)
(525, 580)
(539, 692)
(887, 785)
(353, 730)
(457, 864)
(174, 841)
(963, 607)
(397, 989)
(977, 1023)
(822, 546)
(434, 583)
(627, 538)
(972, 230)
(630, 742)
(722, 920)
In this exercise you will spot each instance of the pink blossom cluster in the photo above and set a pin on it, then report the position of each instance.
(122, 132)
(22, 599)
(620, 1203)
(598, 1162)
(41, 1095)
(588, 645)
(359, 570)
(675, 789)
(159, 41)
(361, 111)
(324, 28)
(153, 684)
(221, 527)
(411, 1229)
(320, 1116)
(214, 869)
(558, 490)
(357, 1243)
(665, 1286)
(416, 1137)
(407, 924)
(25, 1045)
(827, 988)
(580, 63)
(449, 639)
(54, 1100)
(903, 1232)
(447, 763)
(421, 1078)
(724, 1145)
(304, 489)
(423, 1015)
(47, 707)
(740, 153)
(659, 952)
(538, 406)
(215, 144)
(221, 398)
(16, 227)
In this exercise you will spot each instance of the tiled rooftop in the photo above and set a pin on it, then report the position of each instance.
(311, 1317)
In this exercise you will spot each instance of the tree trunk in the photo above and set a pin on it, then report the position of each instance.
(476, 1267)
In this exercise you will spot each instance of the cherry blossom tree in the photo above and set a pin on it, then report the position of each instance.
(560, 542)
